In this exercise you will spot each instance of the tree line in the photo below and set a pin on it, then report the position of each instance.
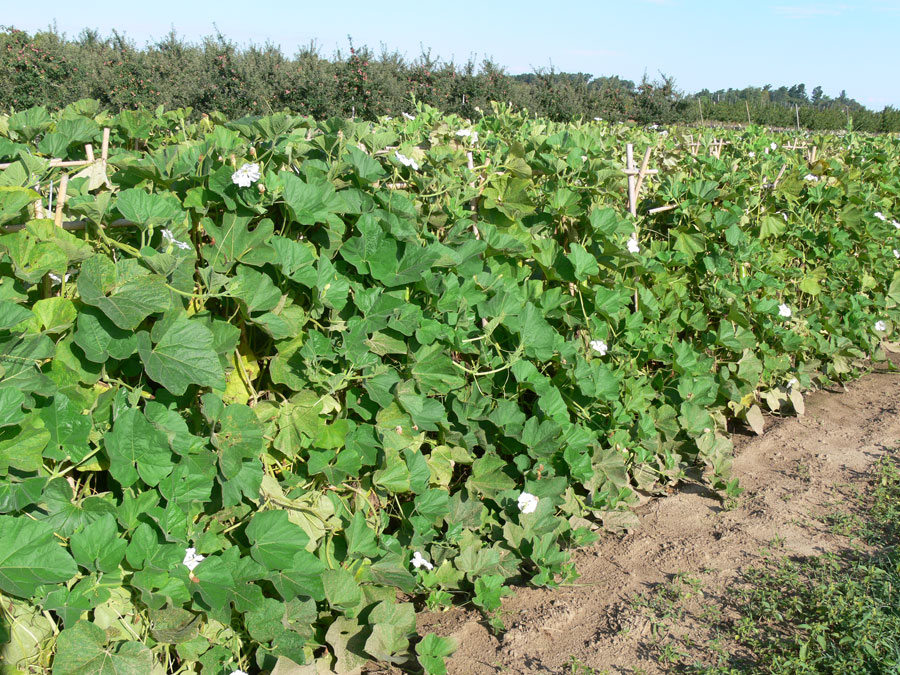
(47, 68)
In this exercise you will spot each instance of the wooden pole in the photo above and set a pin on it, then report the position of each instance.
(89, 152)
(797, 111)
(629, 163)
(640, 178)
(748, 111)
(61, 199)
(473, 204)
(660, 209)
(700, 103)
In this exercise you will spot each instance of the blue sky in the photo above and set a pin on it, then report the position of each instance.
(702, 43)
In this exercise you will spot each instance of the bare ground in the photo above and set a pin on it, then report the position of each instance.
(800, 468)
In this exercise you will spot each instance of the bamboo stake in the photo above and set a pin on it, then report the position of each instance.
(700, 103)
(812, 154)
(104, 148)
(473, 203)
(660, 209)
(748, 111)
(61, 199)
(778, 178)
(640, 178)
(89, 152)
(797, 110)
(629, 163)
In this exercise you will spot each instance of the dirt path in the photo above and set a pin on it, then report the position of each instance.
(799, 467)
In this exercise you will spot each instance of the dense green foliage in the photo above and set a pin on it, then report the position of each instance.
(324, 375)
(48, 69)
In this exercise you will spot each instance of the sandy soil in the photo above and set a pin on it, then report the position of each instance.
(798, 469)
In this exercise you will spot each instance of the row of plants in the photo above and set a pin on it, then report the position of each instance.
(47, 68)
(294, 381)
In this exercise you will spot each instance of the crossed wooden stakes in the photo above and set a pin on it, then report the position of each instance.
(636, 176)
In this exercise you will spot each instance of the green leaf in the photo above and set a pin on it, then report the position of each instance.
(234, 242)
(149, 209)
(84, 649)
(12, 200)
(101, 339)
(21, 446)
(136, 449)
(254, 289)
(303, 577)
(362, 542)
(174, 625)
(341, 590)
(367, 168)
(12, 314)
(347, 640)
(310, 203)
(97, 546)
(392, 624)
(183, 355)
(126, 295)
(584, 263)
(55, 314)
(69, 429)
(431, 652)
(274, 539)
(488, 475)
(11, 400)
(31, 556)
(411, 267)
(434, 371)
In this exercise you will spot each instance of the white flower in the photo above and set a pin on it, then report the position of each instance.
(774, 146)
(664, 133)
(811, 177)
(468, 133)
(783, 215)
(896, 253)
(632, 244)
(191, 559)
(169, 237)
(752, 154)
(880, 326)
(246, 175)
(409, 117)
(767, 151)
(598, 119)
(895, 224)
(56, 279)
(418, 561)
(784, 310)
(407, 161)
(527, 502)
(388, 118)
(599, 346)
(879, 215)
(793, 382)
